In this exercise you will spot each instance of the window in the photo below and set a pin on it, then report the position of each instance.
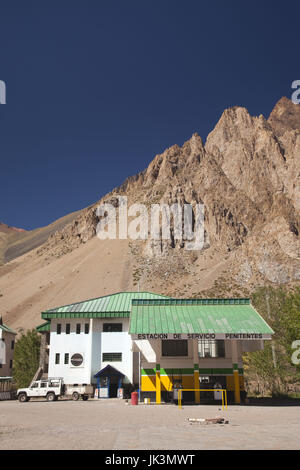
(86, 328)
(58, 328)
(221, 348)
(78, 328)
(53, 383)
(66, 358)
(211, 348)
(57, 357)
(34, 385)
(76, 360)
(112, 327)
(12, 344)
(68, 328)
(10, 364)
(112, 357)
(174, 347)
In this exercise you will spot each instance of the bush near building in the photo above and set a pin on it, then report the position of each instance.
(271, 370)
(26, 358)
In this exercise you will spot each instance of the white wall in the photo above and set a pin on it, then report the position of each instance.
(113, 342)
(70, 343)
(91, 346)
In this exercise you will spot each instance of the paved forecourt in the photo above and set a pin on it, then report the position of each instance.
(111, 424)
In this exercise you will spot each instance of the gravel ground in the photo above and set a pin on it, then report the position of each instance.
(113, 425)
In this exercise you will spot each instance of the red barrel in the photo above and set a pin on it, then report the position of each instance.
(134, 398)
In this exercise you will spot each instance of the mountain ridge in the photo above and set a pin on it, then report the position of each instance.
(246, 175)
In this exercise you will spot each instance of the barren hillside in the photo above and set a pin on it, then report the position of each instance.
(247, 176)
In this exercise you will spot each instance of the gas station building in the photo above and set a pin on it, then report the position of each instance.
(154, 344)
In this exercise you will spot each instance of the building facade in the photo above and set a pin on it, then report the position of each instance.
(155, 343)
(7, 345)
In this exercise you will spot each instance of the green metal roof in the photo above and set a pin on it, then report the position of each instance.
(43, 327)
(115, 305)
(196, 316)
(7, 329)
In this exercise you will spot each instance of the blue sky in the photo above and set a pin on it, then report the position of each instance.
(96, 89)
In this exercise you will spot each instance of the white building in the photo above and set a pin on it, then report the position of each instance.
(153, 342)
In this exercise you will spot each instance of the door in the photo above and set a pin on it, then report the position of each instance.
(104, 383)
(34, 389)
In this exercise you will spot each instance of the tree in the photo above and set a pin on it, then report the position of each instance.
(272, 369)
(26, 358)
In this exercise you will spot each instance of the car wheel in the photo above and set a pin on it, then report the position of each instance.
(22, 397)
(75, 396)
(85, 397)
(51, 397)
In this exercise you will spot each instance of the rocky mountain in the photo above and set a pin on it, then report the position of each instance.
(7, 229)
(7, 234)
(285, 117)
(14, 242)
(247, 176)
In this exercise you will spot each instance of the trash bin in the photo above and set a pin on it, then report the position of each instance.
(134, 398)
(217, 393)
(176, 394)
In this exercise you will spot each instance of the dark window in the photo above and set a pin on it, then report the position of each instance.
(78, 328)
(112, 357)
(58, 328)
(76, 360)
(221, 347)
(10, 364)
(0, 365)
(12, 344)
(57, 357)
(86, 328)
(68, 328)
(112, 327)
(66, 358)
(173, 347)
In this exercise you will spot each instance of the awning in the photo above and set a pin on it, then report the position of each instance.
(109, 371)
(197, 319)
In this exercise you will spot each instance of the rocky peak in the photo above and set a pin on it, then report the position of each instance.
(285, 116)
(247, 177)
